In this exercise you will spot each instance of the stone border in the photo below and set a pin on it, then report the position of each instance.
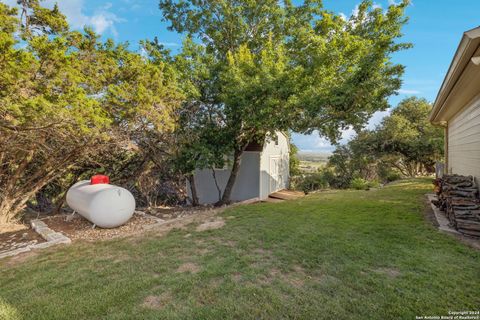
(52, 238)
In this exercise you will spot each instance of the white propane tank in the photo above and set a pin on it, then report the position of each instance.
(104, 205)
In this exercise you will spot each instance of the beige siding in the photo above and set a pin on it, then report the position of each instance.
(464, 141)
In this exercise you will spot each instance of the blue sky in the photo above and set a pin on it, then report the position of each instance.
(435, 29)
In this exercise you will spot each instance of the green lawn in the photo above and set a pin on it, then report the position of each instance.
(332, 255)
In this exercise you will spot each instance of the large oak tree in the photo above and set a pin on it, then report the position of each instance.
(279, 66)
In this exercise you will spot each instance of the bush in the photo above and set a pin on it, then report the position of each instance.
(373, 184)
(387, 174)
(336, 181)
(359, 184)
(309, 182)
(393, 176)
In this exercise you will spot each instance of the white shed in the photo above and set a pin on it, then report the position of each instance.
(264, 169)
(457, 108)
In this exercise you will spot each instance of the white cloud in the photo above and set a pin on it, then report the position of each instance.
(407, 91)
(347, 135)
(315, 143)
(396, 3)
(103, 21)
(355, 11)
(312, 142)
(320, 142)
(377, 117)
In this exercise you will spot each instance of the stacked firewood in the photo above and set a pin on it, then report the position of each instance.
(458, 198)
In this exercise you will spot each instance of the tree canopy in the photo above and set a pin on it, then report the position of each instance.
(403, 144)
(279, 66)
(66, 96)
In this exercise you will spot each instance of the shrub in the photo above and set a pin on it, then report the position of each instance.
(337, 181)
(309, 182)
(388, 175)
(393, 176)
(359, 184)
(373, 184)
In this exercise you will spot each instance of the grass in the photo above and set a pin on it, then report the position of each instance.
(331, 255)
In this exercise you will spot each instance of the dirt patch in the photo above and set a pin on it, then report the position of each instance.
(20, 258)
(18, 237)
(176, 212)
(231, 243)
(237, 277)
(296, 279)
(202, 251)
(263, 252)
(211, 225)
(270, 276)
(181, 223)
(327, 280)
(391, 272)
(295, 282)
(188, 267)
(299, 269)
(156, 302)
(77, 227)
(215, 283)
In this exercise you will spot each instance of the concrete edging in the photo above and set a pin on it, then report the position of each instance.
(443, 223)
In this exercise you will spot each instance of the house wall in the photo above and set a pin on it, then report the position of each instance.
(246, 185)
(274, 154)
(463, 136)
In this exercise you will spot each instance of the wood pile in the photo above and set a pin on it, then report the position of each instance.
(458, 198)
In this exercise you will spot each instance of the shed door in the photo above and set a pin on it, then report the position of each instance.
(274, 173)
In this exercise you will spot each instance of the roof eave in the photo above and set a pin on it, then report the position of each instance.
(460, 60)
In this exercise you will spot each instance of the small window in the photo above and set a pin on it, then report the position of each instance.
(276, 140)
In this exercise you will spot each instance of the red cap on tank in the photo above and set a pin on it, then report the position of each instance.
(99, 179)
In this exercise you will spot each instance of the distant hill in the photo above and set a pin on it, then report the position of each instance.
(313, 156)
(312, 161)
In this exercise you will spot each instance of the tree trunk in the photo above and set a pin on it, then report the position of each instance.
(14, 202)
(216, 184)
(231, 180)
(6, 212)
(193, 190)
